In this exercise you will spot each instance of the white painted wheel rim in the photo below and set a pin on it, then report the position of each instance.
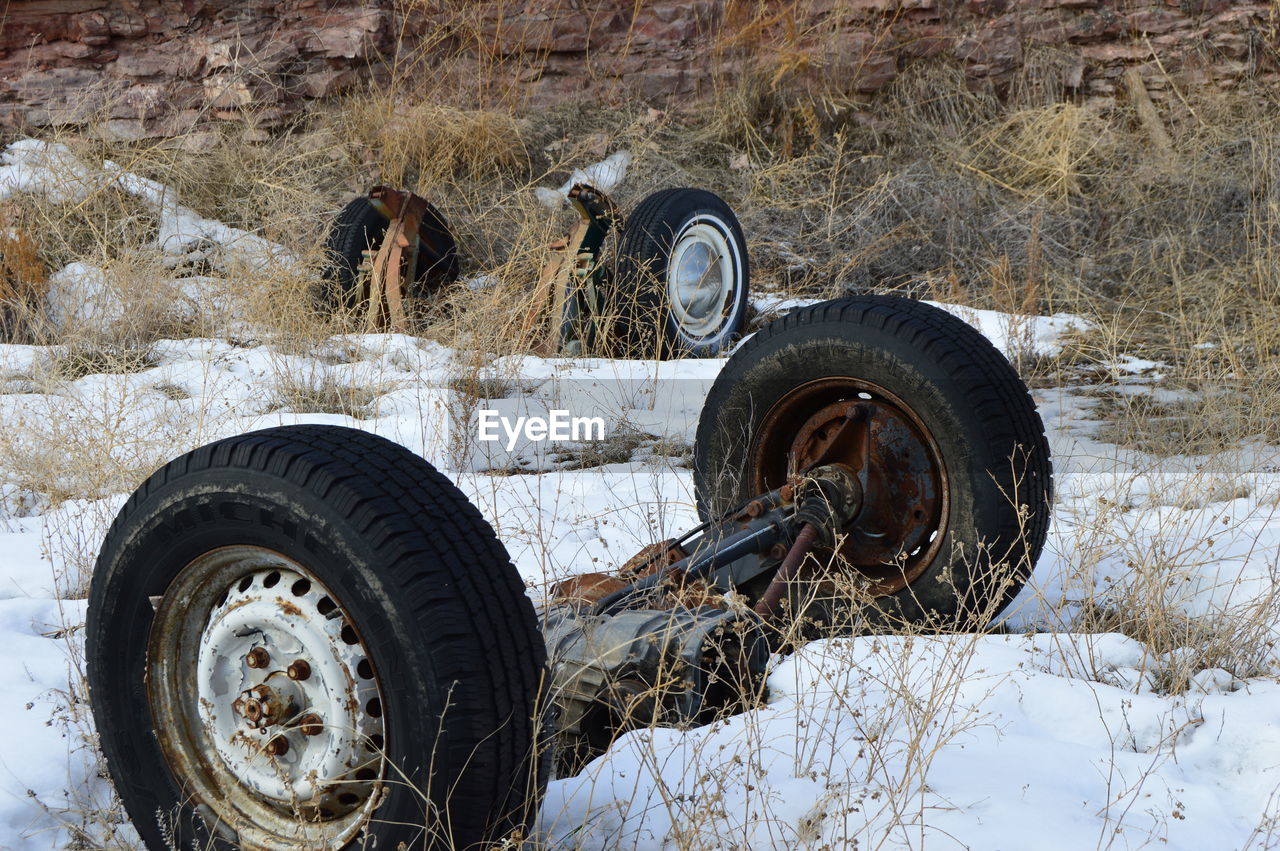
(217, 728)
(287, 627)
(703, 275)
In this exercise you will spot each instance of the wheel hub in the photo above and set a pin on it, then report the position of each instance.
(270, 710)
(265, 707)
(905, 504)
(249, 711)
(700, 280)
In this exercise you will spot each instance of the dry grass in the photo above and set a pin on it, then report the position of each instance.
(1031, 203)
(324, 394)
(77, 361)
(91, 450)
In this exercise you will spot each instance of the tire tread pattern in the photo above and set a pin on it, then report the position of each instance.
(440, 553)
(988, 382)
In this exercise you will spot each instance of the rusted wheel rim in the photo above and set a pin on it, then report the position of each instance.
(904, 516)
(265, 702)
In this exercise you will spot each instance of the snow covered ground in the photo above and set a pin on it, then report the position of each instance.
(1036, 736)
(1028, 739)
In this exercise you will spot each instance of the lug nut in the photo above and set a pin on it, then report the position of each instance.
(268, 703)
(310, 724)
(277, 746)
(258, 658)
(299, 670)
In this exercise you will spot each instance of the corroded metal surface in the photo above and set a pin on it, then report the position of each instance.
(898, 463)
(612, 673)
(396, 258)
(265, 703)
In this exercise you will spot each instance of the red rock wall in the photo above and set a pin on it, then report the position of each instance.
(157, 67)
(142, 68)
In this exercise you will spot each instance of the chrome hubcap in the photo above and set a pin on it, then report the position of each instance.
(701, 277)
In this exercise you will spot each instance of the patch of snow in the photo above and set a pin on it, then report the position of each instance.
(1134, 365)
(476, 283)
(186, 236)
(779, 303)
(1031, 731)
(947, 741)
(46, 168)
(795, 262)
(1016, 334)
(44, 753)
(604, 175)
(81, 293)
(1038, 737)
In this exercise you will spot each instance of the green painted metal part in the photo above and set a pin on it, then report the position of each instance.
(581, 322)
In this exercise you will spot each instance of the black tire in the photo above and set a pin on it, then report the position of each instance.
(648, 321)
(950, 398)
(359, 227)
(436, 605)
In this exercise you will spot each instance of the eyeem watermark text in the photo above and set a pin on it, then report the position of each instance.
(557, 425)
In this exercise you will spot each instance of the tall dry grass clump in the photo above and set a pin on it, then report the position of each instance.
(1030, 201)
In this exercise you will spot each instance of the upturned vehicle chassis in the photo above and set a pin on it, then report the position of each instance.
(307, 637)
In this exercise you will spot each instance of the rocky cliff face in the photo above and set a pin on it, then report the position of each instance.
(157, 67)
(139, 68)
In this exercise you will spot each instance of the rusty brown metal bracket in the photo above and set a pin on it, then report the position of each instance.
(397, 256)
(568, 288)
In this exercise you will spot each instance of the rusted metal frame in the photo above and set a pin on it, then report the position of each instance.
(556, 288)
(592, 587)
(570, 281)
(828, 502)
(580, 308)
(771, 600)
(397, 256)
(545, 294)
(755, 537)
(695, 543)
(783, 525)
(851, 440)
